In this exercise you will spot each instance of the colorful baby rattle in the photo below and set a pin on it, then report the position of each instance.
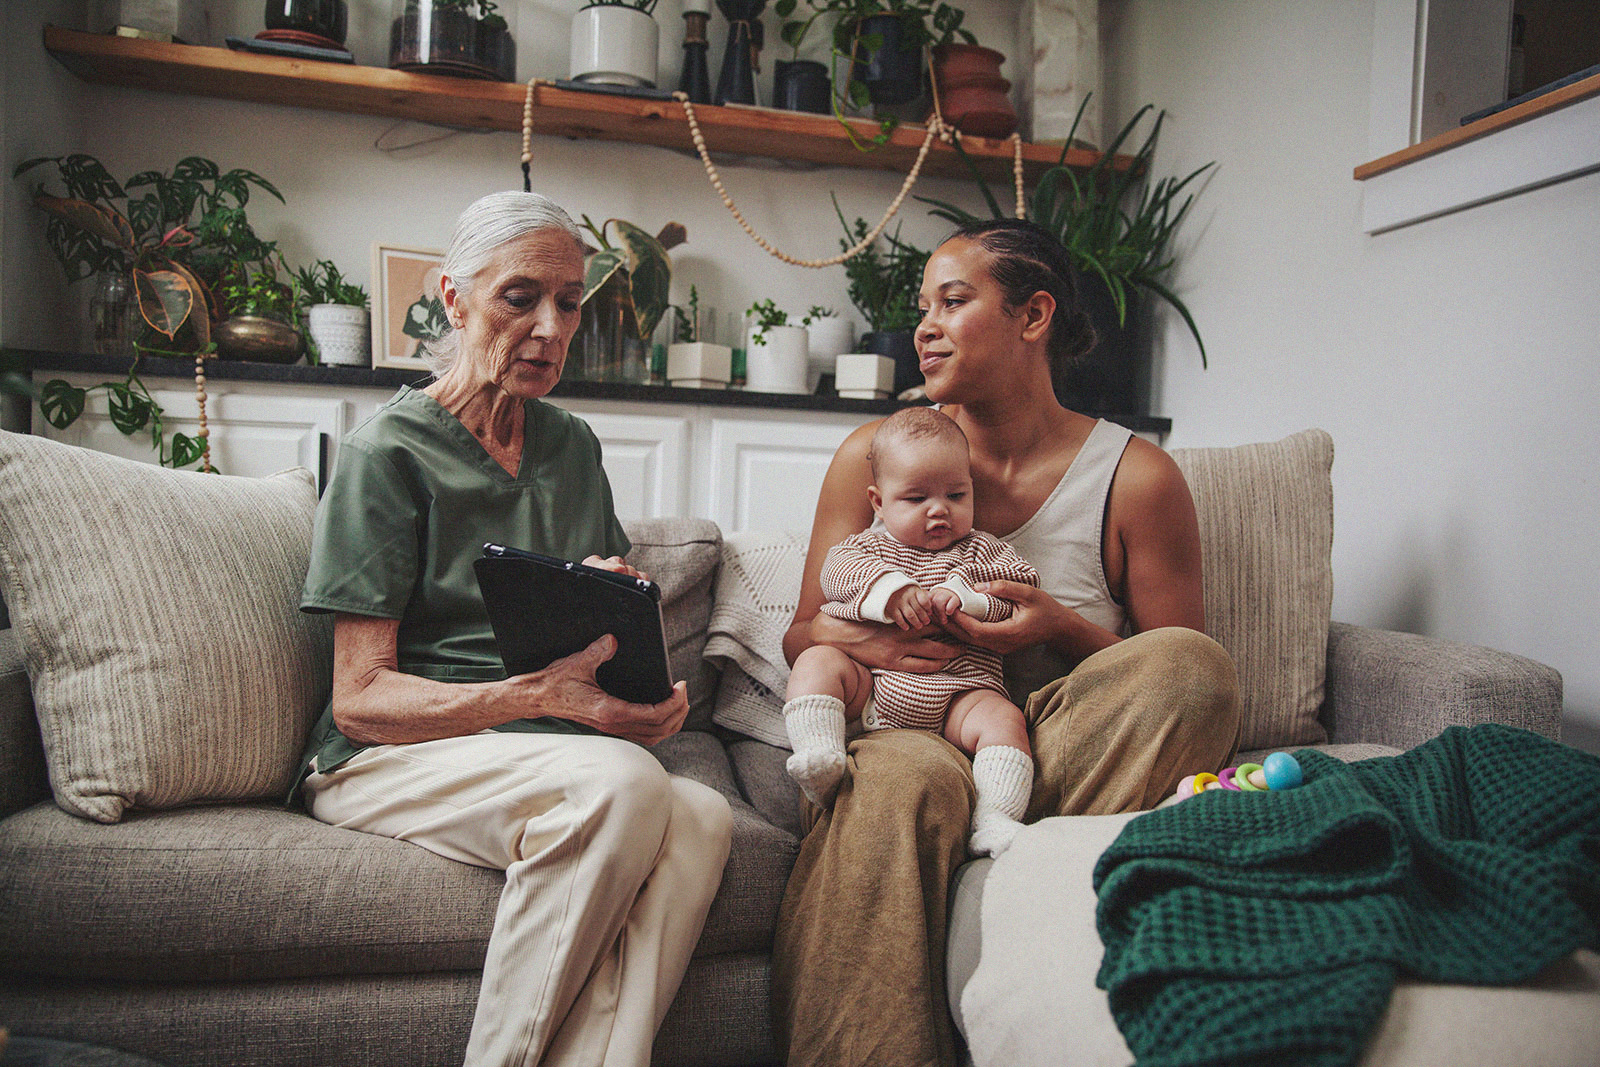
(1277, 772)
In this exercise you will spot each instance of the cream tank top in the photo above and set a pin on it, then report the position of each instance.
(1063, 540)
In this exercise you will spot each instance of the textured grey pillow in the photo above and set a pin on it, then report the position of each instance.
(1266, 531)
(158, 615)
(681, 555)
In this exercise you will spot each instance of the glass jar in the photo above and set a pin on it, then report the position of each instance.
(323, 18)
(112, 314)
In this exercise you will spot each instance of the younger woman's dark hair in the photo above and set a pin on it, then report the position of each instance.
(1028, 259)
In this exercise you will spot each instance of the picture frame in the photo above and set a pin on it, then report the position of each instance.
(406, 307)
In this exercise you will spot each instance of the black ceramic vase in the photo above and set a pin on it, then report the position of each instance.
(737, 82)
(801, 85)
(891, 72)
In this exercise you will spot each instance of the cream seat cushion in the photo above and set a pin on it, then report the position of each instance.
(1023, 963)
(158, 613)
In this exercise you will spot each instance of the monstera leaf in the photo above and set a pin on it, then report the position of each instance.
(644, 263)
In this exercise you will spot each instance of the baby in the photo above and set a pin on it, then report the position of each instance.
(918, 570)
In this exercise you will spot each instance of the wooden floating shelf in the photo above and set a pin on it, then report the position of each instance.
(485, 105)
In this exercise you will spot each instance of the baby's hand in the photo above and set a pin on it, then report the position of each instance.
(945, 601)
(910, 608)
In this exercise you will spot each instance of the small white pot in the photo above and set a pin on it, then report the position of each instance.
(342, 332)
(863, 376)
(778, 364)
(615, 45)
(699, 365)
(830, 337)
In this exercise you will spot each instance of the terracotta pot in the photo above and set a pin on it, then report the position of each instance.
(973, 97)
(954, 62)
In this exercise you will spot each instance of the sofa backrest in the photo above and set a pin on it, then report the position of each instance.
(23, 779)
(681, 556)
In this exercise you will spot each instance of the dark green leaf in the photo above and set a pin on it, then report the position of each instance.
(186, 449)
(61, 403)
(129, 411)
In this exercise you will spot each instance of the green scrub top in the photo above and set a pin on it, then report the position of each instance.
(412, 501)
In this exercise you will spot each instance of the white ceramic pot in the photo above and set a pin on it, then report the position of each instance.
(343, 334)
(863, 376)
(614, 44)
(829, 337)
(699, 365)
(778, 363)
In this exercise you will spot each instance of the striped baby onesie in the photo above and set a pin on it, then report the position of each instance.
(862, 572)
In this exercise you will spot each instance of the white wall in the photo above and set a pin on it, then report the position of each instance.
(1455, 361)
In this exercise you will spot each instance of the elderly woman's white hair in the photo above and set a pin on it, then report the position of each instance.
(485, 225)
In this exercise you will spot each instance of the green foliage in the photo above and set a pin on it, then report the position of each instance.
(1113, 223)
(768, 314)
(922, 22)
(483, 10)
(643, 261)
(321, 283)
(686, 321)
(261, 292)
(883, 280)
(131, 409)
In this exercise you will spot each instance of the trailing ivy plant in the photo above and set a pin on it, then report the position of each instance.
(179, 237)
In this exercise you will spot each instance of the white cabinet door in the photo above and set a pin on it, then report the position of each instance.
(765, 473)
(646, 460)
(252, 434)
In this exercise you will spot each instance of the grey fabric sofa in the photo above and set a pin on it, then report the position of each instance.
(246, 933)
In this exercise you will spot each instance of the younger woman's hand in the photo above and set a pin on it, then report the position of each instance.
(1035, 617)
(883, 647)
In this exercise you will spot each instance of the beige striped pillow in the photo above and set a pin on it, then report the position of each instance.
(1266, 531)
(158, 615)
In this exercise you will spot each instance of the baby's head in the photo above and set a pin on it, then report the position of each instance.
(921, 478)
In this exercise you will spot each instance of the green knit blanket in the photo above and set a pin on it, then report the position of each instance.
(1269, 928)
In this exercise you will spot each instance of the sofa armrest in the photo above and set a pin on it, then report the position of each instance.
(1400, 689)
(23, 780)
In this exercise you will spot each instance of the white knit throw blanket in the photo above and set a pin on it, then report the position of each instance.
(757, 591)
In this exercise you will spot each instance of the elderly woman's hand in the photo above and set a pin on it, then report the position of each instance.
(567, 690)
(614, 563)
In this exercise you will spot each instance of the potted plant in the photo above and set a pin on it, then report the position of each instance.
(615, 42)
(776, 357)
(625, 293)
(1116, 226)
(880, 41)
(326, 19)
(336, 316)
(799, 84)
(972, 95)
(260, 312)
(465, 38)
(694, 361)
(173, 238)
(883, 283)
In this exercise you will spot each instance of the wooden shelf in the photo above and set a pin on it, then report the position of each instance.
(485, 105)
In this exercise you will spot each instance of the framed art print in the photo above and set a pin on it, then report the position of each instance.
(406, 308)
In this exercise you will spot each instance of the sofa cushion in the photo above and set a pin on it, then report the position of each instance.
(1025, 953)
(1266, 537)
(681, 556)
(254, 891)
(158, 615)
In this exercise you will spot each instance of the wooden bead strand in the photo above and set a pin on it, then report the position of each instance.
(204, 433)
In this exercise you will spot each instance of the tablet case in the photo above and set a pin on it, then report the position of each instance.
(543, 608)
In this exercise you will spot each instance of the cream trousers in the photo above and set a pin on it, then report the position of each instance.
(610, 862)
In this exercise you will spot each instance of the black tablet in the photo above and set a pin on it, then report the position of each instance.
(543, 608)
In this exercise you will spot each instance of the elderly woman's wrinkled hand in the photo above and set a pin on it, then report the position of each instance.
(614, 563)
(567, 690)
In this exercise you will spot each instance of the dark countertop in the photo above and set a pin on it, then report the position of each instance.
(390, 378)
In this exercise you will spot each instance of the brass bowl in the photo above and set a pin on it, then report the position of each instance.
(255, 337)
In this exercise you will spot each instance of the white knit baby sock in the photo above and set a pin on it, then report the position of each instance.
(816, 733)
(1004, 777)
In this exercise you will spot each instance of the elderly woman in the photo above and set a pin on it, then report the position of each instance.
(610, 862)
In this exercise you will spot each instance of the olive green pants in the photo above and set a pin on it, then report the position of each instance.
(858, 963)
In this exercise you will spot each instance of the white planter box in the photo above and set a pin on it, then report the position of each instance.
(699, 365)
(863, 376)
